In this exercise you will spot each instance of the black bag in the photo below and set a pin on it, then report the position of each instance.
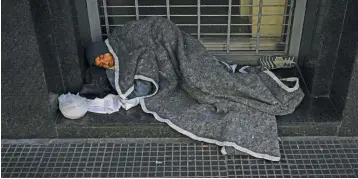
(96, 84)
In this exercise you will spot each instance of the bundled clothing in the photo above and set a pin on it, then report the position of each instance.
(194, 94)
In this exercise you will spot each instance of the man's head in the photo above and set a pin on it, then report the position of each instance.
(98, 54)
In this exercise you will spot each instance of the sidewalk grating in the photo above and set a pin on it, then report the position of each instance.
(316, 157)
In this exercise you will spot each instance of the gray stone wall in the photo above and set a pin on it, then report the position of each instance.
(25, 110)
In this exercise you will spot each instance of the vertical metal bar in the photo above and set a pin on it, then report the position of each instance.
(258, 27)
(195, 167)
(110, 161)
(297, 25)
(172, 159)
(106, 16)
(180, 160)
(134, 155)
(68, 149)
(94, 22)
(199, 13)
(136, 9)
(88, 156)
(82, 150)
(83, 22)
(168, 8)
(93, 168)
(118, 160)
(228, 28)
(125, 164)
(289, 25)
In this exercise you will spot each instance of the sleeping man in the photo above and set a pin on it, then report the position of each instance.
(174, 78)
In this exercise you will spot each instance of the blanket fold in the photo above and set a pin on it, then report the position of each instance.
(194, 94)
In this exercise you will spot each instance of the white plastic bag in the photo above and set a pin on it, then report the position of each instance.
(107, 105)
(72, 106)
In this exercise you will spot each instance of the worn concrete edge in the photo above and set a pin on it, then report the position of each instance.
(135, 131)
(97, 140)
(46, 141)
(280, 123)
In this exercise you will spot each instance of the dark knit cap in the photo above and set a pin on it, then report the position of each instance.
(95, 50)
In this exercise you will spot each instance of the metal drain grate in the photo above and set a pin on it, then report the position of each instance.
(160, 158)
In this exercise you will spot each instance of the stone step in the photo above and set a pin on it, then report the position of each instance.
(313, 117)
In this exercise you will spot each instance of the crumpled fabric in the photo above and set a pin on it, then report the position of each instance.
(96, 84)
(194, 94)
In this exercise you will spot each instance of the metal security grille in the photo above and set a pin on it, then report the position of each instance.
(224, 27)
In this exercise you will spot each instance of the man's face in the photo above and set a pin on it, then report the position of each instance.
(105, 61)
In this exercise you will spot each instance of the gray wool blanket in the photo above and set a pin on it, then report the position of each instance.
(194, 94)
